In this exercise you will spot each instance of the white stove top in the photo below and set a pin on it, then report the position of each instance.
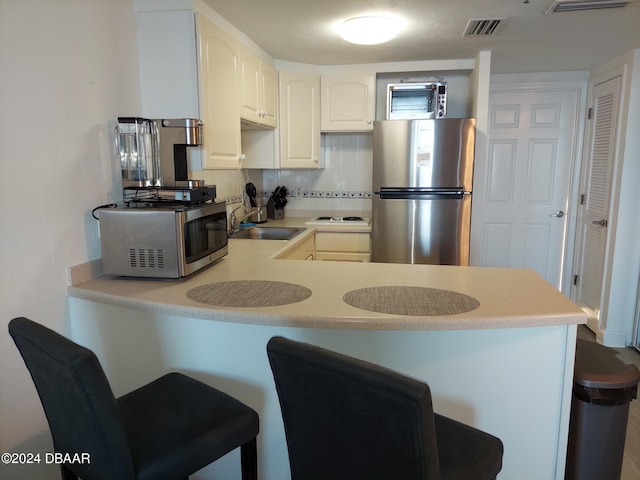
(339, 221)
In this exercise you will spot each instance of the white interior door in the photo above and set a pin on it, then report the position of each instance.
(521, 196)
(596, 190)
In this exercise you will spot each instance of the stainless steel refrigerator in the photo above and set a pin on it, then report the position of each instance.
(422, 184)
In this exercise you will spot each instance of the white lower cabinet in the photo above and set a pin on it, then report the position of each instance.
(335, 246)
(343, 246)
(305, 250)
(343, 256)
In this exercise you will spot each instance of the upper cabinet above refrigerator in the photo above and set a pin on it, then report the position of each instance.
(348, 103)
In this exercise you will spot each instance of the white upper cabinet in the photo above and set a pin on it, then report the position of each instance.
(299, 120)
(258, 89)
(219, 103)
(348, 103)
(188, 70)
(249, 69)
(269, 85)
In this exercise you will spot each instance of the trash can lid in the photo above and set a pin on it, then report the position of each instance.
(598, 366)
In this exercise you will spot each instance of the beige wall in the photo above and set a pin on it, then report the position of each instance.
(67, 69)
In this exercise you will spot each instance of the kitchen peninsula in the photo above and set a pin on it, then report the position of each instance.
(501, 357)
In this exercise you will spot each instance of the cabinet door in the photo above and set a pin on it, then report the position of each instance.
(299, 120)
(303, 251)
(269, 94)
(343, 242)
(218, 62)
(343, 246)
(258, 89)
(250, 86)
(342, 257)
(348, 103)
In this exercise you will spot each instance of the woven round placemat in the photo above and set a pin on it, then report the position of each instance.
(416, 301)
(249, 293)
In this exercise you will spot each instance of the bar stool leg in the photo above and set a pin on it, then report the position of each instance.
(249, 460)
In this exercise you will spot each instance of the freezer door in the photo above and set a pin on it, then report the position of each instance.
(419, 230)
(424, 153)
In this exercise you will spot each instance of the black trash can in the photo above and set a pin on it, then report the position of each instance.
(603, 388)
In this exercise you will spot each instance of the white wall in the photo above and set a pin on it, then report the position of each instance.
(67, 70)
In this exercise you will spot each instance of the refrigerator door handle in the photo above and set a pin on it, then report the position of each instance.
(419, 194)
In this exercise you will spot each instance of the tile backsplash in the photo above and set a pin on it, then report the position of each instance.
(344, 184)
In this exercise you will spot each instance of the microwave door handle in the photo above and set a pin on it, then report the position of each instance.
(410, 87)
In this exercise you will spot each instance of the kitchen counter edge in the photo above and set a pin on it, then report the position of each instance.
(509, 298)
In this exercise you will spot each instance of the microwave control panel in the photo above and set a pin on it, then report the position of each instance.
(442, 101)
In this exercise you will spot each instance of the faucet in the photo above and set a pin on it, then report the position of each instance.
(235, 223)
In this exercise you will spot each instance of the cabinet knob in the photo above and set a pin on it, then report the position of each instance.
(241, 158)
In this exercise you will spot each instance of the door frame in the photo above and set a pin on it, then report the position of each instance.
(594, 322)
(622, 262)
(575, 81)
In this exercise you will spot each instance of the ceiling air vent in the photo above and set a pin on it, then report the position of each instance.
(482, 27)
(559, 6)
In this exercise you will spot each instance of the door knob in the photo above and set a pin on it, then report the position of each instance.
(558, 214)
(602, 223)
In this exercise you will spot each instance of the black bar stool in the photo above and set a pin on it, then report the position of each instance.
(347, 419)
(169, 428)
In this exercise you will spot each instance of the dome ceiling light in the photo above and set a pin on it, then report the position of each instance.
(368, 30)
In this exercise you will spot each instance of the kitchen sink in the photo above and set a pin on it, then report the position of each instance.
(268, 233)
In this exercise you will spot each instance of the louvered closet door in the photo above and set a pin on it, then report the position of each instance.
(596, 189)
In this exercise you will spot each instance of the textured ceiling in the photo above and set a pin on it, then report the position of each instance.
(527, 41)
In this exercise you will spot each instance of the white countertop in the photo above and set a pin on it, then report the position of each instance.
(509, 298)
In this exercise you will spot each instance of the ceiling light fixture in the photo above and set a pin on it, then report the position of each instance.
(368, 30)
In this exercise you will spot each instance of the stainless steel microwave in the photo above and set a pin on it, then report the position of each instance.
(163, 241)
(416, 100)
